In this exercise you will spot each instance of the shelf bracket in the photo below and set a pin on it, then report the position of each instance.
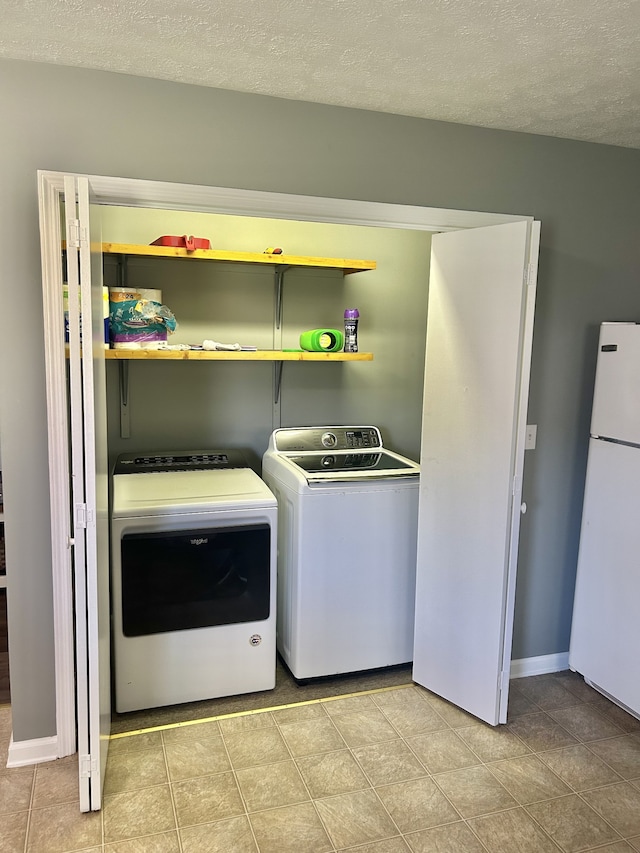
(277, 386)
(279, 281)
(123, 367)
(277, 381)
(122, 271)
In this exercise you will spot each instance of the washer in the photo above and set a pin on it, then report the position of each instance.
(348, 516)
(193, 579)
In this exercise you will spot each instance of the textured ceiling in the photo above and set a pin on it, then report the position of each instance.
(568, 68)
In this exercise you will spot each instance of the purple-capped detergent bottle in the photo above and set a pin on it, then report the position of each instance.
(351, 330)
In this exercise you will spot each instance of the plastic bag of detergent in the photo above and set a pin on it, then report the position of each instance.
(139, 322)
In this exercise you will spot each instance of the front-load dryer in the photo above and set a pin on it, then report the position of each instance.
(347, 531)
(193, 579)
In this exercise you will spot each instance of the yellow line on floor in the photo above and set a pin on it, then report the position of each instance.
(253, 711)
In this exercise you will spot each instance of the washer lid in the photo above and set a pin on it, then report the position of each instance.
(347, 467)
(178, 492)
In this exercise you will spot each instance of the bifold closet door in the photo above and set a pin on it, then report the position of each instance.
(478, 353)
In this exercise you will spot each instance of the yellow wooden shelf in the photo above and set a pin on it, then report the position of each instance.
(245, 355)
(346, 265)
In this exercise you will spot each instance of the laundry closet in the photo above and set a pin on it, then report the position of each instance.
(477, 271)
(193, 573)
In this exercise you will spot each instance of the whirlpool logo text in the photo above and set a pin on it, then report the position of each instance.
(198, 541)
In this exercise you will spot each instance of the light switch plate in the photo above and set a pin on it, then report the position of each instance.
(530, 437)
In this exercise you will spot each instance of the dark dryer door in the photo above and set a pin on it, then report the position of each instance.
(178, 580)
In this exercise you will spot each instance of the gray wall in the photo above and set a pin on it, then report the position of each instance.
(587, 197)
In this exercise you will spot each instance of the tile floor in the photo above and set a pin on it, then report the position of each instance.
(393, 771)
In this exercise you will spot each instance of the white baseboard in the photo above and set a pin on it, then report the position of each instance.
(539, 665)
(25, 752)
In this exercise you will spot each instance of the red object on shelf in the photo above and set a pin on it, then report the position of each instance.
(184, 242)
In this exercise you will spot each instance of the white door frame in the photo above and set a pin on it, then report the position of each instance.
(129, 192)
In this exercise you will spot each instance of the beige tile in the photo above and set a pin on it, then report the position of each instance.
(519, 705)
(355, 818)
(300, 714)
(418, 804)
(620, 753)
(190, 758)
(206, 799)
(312, 736)
(362, 727)
(572, 824)
(132, 743)
(166, 842)
(576, 684)
(387, 845)
(191, 731)
(540, 732)
(391, 761)
(585, 722)
(262, 746)
(474, 791)
(452, 838)
(616, 714)
(349, 705)
(14, 832)
(546, 692)
(619, 805)
(492, 743)
(528, 779)
(131, 771)
(635, 842)
(131, 814)
(442, 751)
(616, 847)
(512, 831)
(271, 785)
(579, 767)
(451, 714)
(409, 712)
(56, 782)
(61, 828)
(246, 723)
(225, 836)
(16, 787)
(292, 829)
(331, 773)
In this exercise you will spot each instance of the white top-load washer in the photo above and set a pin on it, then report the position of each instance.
(347, 534)
(193, 578)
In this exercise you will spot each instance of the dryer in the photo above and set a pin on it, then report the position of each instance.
(193, 578)
(347, 539)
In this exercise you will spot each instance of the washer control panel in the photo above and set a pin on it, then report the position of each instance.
(327, 438)
(197, 460)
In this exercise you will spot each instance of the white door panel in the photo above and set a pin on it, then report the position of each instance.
(89, 487)
(479, 330)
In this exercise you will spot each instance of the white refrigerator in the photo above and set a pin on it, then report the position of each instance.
(605, 634)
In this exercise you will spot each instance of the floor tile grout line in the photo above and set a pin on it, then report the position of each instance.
(293, 757)
(171, 795)
(237, 783)
(29, 811)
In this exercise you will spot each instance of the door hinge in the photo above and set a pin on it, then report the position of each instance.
(88, 766)
(84, 516)
(515, 488)
(529, 278)
(77, 234)
(80, 521)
